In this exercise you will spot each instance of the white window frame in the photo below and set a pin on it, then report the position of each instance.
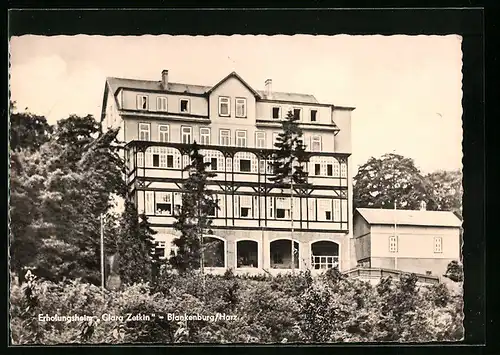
(324, 205)
(145, 131)
(183, 134)
(261, 139)
(393, 244)
(169, 200)
(204, 135)
(242, 203)
(279, 112)
(162, 103)
(149, 204)
(164, 135)
(315, 139)
(438, 245)
(228, 131)
(139, 102)
(222, 101)
(275, 138)
(310, 115)
(240, 101)
(243, 138)
(188, 105)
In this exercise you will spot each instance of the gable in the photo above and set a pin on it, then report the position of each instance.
(231, 78)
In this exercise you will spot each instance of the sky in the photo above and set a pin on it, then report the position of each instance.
(407, 90)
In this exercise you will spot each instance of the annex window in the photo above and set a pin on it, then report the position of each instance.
(329, 169)
(343, 170)
(297, 113)
(205, 135)
(224, 106)
(276, 113)
(241, 138)
(393, 244)
(316, 143)
(164, 133)
(260, 139)
(186, 134)
(144, 131)
(163, 203)
(245, 165)
(336, 210)
(314, 115)
(161, 103)
(241, 108)
(317, 169)
(185, 105)
(438, 244)
(225, 137)
(213, 164)
(142, 102)
(149, 202)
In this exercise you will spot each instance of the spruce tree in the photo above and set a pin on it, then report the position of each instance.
(287, 163)
(192, 220)
(135, 246)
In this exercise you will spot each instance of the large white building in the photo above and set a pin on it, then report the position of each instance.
(236, 126)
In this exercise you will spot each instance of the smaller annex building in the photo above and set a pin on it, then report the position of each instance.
(421, 242)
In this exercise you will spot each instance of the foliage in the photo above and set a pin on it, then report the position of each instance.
(455, 271)
(448, 190)
(27, 130)
(285, 309)
(192, 220)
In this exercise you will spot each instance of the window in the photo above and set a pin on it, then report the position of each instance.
(297, 113)
(161, 103)
(186, 133)
(160, 249)
(241, 107)
(325, 209)
(184, 105)
(163, 203)
(275, 139)
(241, 138)
(225, 137)
(156, 160)
(393, 244)
(170, 161)
(438, 245)
(224, 106)
(144, 131)
(336, 210)
(314, 114)
(276, 113)
(142, 102)
(164, 133)
(343, 170)
(245, 206)
(205, 136)
(245, 165)
(317, 169)
(329, 169)
(149, 201)
(260, 139)
(213, 164)
(316, 143)
(282, 207)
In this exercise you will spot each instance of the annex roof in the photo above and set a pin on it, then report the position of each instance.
(380, 216)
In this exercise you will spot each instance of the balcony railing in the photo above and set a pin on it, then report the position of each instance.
(322, 262)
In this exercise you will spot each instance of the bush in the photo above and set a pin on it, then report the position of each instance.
(283, 309)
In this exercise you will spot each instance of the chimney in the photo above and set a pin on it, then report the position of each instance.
(269, 88)
(423, 206)
(164, 79)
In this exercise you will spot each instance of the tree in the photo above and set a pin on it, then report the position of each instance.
(381, 182)
(455, 271)
(287, 163)
(28, 131)
(193, 221)
(135, 246)
(448, 190)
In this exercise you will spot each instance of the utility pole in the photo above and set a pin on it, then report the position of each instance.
(102, 251)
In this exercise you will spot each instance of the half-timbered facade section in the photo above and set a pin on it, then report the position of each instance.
(236, 127)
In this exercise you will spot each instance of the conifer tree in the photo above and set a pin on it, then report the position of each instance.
(288, 163)
(193, 219)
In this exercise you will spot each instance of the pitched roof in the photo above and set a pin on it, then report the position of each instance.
(116, 83)
(409, 217)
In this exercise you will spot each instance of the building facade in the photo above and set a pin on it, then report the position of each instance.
(235, 127)
(422, 242)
